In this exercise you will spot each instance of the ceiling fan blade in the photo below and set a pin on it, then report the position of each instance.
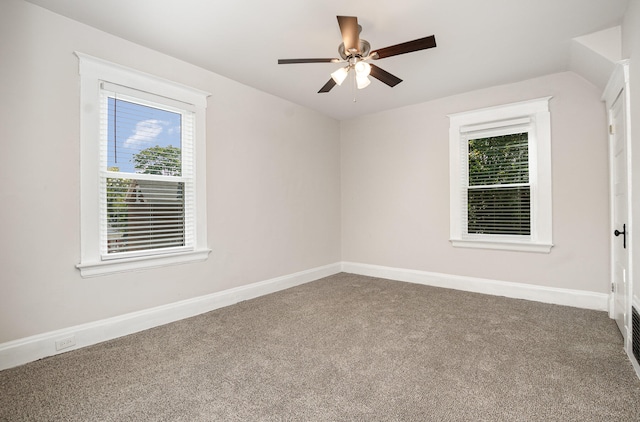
(327, 87)
(384, 76)
(292, 61)
(405, 47)
(349, 29)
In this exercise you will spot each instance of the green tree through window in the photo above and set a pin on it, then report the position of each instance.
(164, 161)
(498, 197)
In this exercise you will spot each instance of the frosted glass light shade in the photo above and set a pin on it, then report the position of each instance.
(362, 81)
(340, 75)
(363, 69)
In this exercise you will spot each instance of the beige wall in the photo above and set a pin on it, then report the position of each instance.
(631, 51)
(395, 189)
(272, 182)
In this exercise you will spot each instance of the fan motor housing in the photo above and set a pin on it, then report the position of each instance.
(365, 48)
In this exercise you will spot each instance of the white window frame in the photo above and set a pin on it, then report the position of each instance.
(93, 73)
(532, 116)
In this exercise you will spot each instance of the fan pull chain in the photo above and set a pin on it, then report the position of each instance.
(353, 87)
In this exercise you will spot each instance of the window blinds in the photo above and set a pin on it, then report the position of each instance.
(497, 197)
(146, 174)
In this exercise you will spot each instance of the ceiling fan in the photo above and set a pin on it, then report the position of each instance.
(356, 52)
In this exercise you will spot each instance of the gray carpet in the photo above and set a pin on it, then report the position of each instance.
(344, 348)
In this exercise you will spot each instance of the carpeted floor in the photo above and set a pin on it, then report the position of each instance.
(344, 348)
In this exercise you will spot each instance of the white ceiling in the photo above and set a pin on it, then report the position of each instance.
(481, 43)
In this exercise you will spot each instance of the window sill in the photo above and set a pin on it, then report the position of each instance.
(92, 269)
(502, 245)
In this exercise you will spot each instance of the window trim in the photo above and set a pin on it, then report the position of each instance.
(93, 71)
(536, 113)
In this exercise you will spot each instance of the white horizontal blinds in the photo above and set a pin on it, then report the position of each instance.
(147, 183)
(144, 214)
(498, 191)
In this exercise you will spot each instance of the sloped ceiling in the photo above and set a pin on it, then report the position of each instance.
(480, 43)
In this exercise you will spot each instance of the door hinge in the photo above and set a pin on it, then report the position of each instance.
(613, 288)
(612, 129)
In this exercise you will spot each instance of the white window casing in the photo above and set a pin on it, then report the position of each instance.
(100, 80)
(531, 117)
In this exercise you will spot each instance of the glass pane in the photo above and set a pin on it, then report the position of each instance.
(143, 214)
(143, 139)
(499, 160)
(499, 210)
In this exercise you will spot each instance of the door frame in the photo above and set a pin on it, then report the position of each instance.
(618, 85)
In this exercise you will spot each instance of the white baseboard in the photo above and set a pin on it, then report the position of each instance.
(558, 296)
(36, 347)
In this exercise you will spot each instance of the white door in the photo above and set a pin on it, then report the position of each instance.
(620, 214)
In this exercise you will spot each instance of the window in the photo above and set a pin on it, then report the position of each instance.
(500, 176)
(142, 182)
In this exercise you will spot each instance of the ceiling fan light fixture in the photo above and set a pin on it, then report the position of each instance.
(356, 52)
(340, 75)
(363, 69)
(362, 81)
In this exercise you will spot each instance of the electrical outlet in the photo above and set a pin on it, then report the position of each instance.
(66, 343)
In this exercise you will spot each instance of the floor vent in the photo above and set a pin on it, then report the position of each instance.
(635, 334)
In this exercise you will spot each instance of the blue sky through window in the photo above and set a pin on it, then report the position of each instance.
(134, 127)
